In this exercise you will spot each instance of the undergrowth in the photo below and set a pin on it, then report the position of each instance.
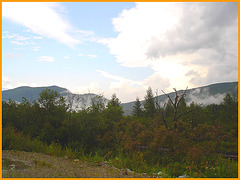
(13, 139)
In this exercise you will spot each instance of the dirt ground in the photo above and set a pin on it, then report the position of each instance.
(37, 165)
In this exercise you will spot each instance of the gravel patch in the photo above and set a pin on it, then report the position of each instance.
(38, 165)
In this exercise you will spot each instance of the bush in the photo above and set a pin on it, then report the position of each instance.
(15, 140)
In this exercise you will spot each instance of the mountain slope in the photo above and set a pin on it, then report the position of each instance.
(74, 101)
(31, 93)
(203, 95)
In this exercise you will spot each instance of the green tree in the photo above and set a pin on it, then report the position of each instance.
(112, 116)
(30, 117)
(137, 110)
(182, 106)
(54, 114)
(168, 111)
(114, 111)
(228, 100)
(149, 104)
(50, 99)
(114, 102)
(11, 115)
(229, 113)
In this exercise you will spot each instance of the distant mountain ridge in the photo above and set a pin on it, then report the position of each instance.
(204, 95)
(74, 101)
(31, 93)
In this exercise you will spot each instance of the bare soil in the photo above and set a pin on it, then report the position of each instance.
(38, 165)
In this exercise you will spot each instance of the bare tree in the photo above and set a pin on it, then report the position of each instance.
(175, 103)
(161, 110)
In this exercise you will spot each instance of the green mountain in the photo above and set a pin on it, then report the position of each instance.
(31, 93)
(74, 101)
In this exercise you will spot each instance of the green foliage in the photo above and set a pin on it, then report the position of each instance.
(50, 99)
(96, 158)
(113, 112)
(114, 102)
(98, 105)
(14, 139)
(175, 169)
(140, 143)
(222, 168)
(229, 112)
(137, 110)
(168, 112)
(149, 104)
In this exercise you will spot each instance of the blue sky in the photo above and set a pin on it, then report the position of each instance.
(119, 47)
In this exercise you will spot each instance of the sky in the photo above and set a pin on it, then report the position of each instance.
(119, 47)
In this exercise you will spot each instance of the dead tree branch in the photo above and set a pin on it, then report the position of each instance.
(161, 110)
(175, 105)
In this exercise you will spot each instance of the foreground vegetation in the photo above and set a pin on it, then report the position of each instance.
(169, 140)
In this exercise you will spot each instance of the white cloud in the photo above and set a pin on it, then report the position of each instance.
(27, 30)
(37, 37)
(8, 35)
(136, 28)
(128, 90)
(156, 82)
(30, 43)
(88, 55)
(40, 18)
(8, 83)
(6, 79)
(16, 42)
(45, 59)
(36, 48)
(91, 87)
(14, 36)
(125, 91)
(91, 56)
(114, 77)
(66, 57)
(21, 38)
(177, 38)
(203, 97)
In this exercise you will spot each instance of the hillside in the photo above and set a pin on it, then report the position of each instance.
(211, 94)
(75, 101)
(30, 93)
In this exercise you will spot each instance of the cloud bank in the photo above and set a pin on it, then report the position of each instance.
(190, 44)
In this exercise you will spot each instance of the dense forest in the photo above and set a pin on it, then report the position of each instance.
(170, 139)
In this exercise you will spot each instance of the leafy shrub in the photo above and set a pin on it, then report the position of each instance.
(15, 140)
